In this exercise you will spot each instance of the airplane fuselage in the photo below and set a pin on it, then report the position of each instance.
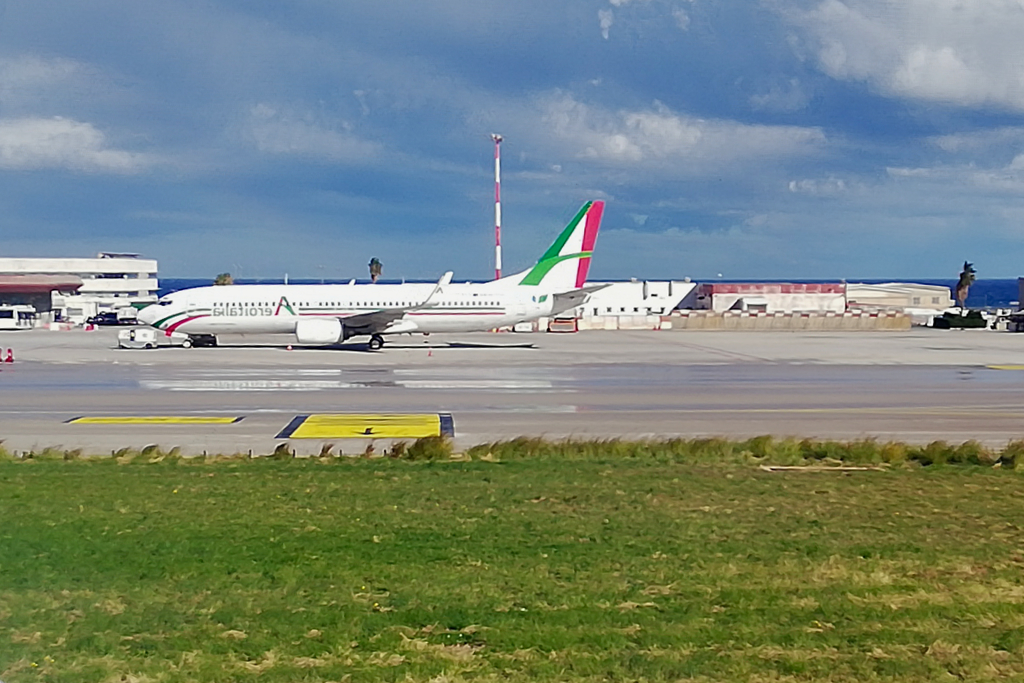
(278, 309)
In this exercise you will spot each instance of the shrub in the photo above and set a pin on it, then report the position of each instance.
(720, 449)
(935, 453)
(894, 453)
(48, 453)
(824, 450)
(520, 447)
(776, 451)
(430, 448)
(283, 452)
(972, 453)
(1012, 456)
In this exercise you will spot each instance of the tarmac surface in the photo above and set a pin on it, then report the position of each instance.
(917, 386)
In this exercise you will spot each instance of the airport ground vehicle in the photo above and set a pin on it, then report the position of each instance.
(17, 317)
(149, 338)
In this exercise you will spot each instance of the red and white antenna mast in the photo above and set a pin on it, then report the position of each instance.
(497, 205)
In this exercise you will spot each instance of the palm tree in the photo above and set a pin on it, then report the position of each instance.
(376, 268)
(224, 279)
(965, 282)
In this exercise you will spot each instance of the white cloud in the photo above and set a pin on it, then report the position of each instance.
(58, 143)
(33, 86)
(284, 132)
(984, 142)
(986, 159)
(966, 53)
(28, 72)
(964, 179)
(606, 18)
(660, 136)
(781, 98)
(821, 187)
(682, 18)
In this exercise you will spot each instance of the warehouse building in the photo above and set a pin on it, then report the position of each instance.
(921, 302)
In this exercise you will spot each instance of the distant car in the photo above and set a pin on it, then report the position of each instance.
(110, 318)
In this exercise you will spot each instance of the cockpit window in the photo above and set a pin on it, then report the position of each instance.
(165, 302)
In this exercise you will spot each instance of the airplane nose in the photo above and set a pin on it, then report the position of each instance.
(147, 315)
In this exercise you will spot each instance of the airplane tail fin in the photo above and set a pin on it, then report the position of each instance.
(564, 266)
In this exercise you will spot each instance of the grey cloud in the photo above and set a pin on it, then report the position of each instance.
(287, 133)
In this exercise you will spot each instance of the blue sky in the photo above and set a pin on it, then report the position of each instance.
(752, 138)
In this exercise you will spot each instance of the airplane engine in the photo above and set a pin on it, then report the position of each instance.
(319, 331)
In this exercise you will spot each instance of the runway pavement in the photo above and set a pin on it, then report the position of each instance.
(918, 386)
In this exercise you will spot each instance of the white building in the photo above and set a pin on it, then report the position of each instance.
(634, 305)
(108, 282)
(637, 297)
(920, 302)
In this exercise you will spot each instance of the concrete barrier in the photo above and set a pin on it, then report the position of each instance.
(814, 322)
(749, 321)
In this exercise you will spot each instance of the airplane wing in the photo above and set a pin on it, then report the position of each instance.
(573, 298)
(376, 322)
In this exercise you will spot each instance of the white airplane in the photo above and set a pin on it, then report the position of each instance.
(323, 315)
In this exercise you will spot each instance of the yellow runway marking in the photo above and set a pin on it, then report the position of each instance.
(1005, 367)
(369, 426)
(153, 420)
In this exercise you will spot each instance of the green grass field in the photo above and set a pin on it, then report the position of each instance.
(544, 568)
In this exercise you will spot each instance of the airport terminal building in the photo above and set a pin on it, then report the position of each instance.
(73, 289)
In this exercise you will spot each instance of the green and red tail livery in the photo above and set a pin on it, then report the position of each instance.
(564, 266)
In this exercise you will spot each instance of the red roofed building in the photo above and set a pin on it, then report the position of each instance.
(36, 290)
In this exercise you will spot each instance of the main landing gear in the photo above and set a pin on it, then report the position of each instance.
(376, 342)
